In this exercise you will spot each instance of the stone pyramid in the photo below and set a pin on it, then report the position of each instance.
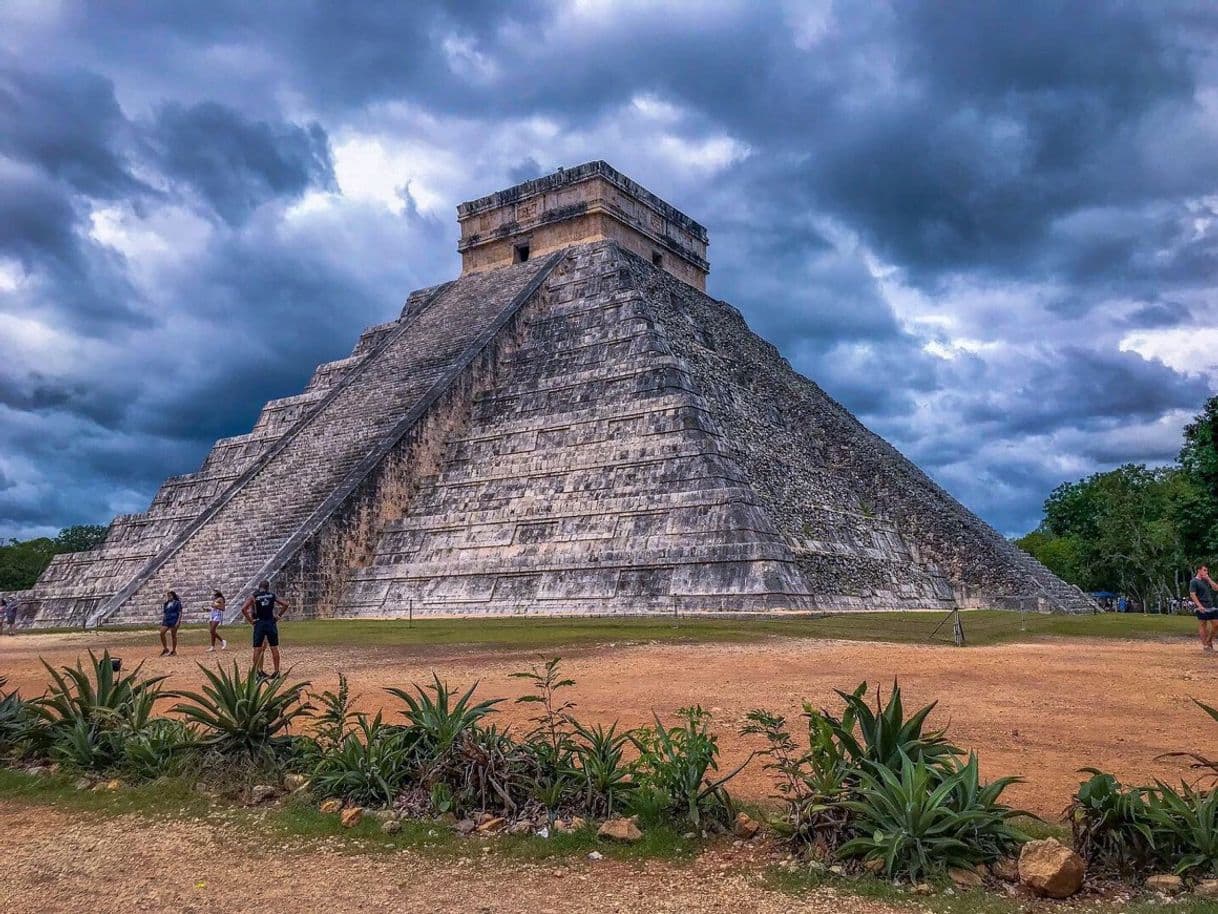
(571, 427)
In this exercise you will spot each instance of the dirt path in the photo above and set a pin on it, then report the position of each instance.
(1041, 709)
(56, 862)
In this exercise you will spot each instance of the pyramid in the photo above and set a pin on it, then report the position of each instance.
(572, 426)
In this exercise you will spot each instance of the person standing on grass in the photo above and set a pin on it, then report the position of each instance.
(1201, 592)
(215, 619)
(263, 610)
(171, 618)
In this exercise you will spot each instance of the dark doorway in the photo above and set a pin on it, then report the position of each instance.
(520, 252)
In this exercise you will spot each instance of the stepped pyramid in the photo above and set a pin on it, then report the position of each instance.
(571, 426)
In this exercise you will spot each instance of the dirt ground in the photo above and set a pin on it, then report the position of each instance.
(1041, 709)
(54, 862)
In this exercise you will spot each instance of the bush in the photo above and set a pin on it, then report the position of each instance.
(89, 715)
(1129, 831)
(920, 819)
(605, 778)
(674, 770)
(17, 723)
(239, 714)
(161, 749)
(876, 785)
(368, 766)
(437, 721)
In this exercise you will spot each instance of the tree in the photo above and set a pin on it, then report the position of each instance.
(22, 561)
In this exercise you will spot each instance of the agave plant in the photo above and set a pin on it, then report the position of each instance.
(160, 749)
(914, 821)
(1197, 759)
(88, 714)
(237, 713)
(17, 722)
(368, 766)
(884, 734)
(1184, 825)
(602, 767)
(1111, 825)
(438, 720)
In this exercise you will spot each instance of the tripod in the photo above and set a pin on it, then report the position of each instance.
(957, 627)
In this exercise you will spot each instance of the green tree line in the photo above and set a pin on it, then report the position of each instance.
(22, 561)
(1137, 530)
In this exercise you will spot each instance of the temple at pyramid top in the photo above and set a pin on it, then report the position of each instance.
(591, 202)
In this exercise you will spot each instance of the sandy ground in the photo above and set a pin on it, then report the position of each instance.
(1041, 709)
(59, 863)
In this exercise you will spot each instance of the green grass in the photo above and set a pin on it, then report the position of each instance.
(800, 882)
(981, 627)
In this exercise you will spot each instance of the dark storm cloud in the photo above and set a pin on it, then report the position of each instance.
(237, 164)
(1046, 175)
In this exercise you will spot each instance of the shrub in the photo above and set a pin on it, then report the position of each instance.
(17, 723)
(549, 744)
(1131, 830)
(368, 766)
(161, 749)
(238, 714)
(334, 717)
(89, 715)
(605, 778)
(674, 770)
(489, 769)
(915, 821)
(812, 782)
(437, 720)
(1111, 825)
(884, 734)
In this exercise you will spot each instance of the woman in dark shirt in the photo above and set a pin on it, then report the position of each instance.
(171, 618)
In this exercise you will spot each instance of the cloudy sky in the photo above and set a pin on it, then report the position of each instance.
(992, 234)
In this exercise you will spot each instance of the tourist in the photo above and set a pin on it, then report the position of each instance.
(260, 612)
(171, 618)
(214, 621)
(1201, 592)
(8, 615)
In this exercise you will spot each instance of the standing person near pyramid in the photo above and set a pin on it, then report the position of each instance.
(171, 618)
(260, 611)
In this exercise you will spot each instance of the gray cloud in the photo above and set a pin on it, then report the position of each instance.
(950, 215)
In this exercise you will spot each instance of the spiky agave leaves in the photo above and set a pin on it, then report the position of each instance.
(917, 819)
(438, 719)
(237, 713)
(89, 713)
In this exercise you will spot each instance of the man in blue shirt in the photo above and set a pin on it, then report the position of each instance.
(263, 610)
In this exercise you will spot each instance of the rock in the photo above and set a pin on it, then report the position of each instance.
(351, 817)
(382, 815)
(620, 830)
(874, 866)
(923, 888)
(294, 782)
(83, 784)
(982, 870)
(1051, 869)
(964, 879)
(575, 823)
(36, 770)
(465, 826)
(523, 827)
(1206, 888)
(331, 806)
(1006, 869)
(1167, 883)
(745, 826)
(114, 784)
(596, 855)
(391, 826)
(260, 793)
(491, 825)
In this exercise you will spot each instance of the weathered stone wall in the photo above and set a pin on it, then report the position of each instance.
(589, 480)
(869, 528)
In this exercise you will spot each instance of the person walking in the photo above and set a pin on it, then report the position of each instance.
(171, 618)
(1201, 592)
(263, 610)
(215, 619)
